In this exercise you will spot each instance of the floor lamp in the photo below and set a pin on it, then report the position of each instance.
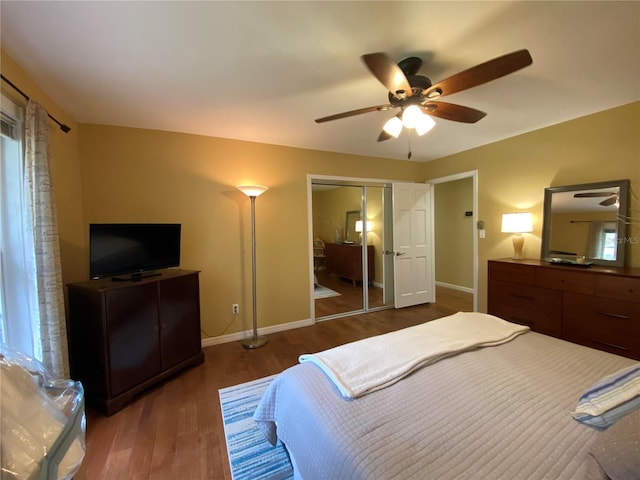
(253, 191)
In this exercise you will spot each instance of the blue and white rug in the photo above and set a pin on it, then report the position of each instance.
(251, 456)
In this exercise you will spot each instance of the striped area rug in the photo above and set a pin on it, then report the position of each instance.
(251, 456)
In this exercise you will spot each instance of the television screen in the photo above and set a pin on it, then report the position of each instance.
(132, 248)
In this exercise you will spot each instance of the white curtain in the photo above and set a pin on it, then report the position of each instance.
(52, 325)
(18, 295)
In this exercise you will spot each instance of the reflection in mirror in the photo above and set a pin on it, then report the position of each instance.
(584, 224)
(350, 233)
(338, 268)
(334, 295)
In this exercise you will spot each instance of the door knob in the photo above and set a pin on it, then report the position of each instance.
(400, 253)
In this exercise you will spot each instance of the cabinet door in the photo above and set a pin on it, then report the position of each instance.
(179, 319)
(133, 337)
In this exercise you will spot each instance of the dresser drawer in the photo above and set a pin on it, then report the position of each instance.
(622, 288)
(535, 307)
(509, 272)
(566, 280)
(603, 323)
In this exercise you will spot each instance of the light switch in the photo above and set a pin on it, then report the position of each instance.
(481, 232)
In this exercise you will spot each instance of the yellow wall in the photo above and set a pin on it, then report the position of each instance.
(513, 173)
(136, 175)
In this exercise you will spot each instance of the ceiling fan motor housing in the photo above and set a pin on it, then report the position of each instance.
(418, 84)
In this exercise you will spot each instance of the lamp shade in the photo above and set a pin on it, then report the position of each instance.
(393, 126)
(252, 190)
(411, 116)
(359, 226)
(425, 123)
(517, 223)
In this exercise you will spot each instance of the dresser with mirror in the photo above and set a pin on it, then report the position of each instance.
(580, 290)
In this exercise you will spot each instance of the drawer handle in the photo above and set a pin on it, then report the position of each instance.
(614, 315)
(611, 345)
(524, 297)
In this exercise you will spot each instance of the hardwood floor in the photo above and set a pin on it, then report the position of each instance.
(175, 430)
(350, 298)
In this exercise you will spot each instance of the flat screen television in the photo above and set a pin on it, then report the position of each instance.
(130, 251)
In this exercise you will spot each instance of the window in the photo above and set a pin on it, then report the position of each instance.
(609, 245)
(603, 237)
(18, 298)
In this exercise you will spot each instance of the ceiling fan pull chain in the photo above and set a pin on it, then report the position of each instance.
(409, 142)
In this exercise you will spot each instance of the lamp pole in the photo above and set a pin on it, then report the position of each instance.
(252, 191)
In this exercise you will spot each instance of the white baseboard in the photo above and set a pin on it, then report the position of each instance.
(455, 287)
(232, 337)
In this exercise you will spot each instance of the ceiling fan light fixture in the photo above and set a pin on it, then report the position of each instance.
(425, 124)
(411, 116)
(393, 126)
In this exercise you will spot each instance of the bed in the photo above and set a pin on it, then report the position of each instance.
(495, 412)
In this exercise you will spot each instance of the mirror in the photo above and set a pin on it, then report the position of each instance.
(350, 234)
(584, 224)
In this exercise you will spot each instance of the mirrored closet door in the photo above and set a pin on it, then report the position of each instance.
(348, 248)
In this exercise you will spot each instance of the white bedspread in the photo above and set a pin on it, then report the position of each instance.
(368, 365)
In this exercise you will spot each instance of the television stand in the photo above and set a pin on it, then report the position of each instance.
(125, 337)
(135, 277)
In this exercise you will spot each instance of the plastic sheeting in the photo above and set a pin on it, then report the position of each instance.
(42, 420)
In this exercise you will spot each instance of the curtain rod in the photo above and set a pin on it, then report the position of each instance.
(63, 127)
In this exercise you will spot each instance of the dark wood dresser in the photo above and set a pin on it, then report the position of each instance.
(345, 260)
(594, 306)
(126, 336)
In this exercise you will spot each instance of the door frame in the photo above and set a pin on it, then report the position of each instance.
(473, 174)
(356, 181)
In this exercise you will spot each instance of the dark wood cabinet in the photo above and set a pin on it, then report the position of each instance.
(345, 260)
(596, 306)
(127, 336)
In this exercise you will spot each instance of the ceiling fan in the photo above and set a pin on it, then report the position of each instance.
(415, 96)
(611, 197)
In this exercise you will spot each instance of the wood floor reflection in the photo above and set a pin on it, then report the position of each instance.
(350, 298)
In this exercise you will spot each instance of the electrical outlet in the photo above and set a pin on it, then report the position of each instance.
(235, 309)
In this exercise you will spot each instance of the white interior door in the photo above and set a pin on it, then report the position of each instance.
(414, 273)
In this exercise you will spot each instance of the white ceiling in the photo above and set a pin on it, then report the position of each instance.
(263, 71)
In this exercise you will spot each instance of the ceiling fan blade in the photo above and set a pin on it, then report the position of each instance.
(388, 73)
(451, 111)
(609, 201)
(593, 194)
(483, 73)
(352, 113)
